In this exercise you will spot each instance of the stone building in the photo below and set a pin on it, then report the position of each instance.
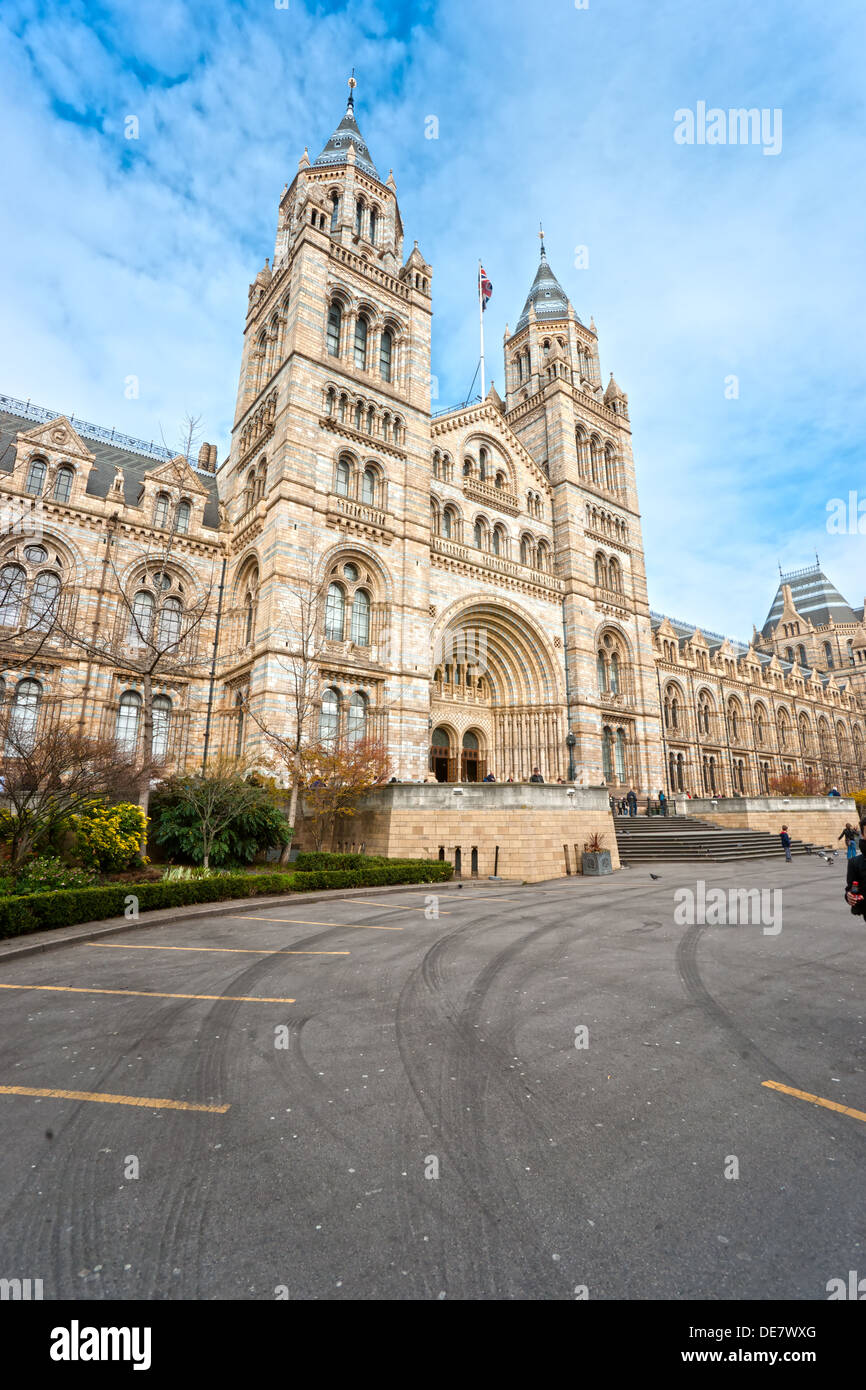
(478, 573)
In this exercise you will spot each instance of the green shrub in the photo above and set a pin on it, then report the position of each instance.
(319, 860)
(183, 873)
(48, 875)
(40, 911)
(107, 837)
(177, 827)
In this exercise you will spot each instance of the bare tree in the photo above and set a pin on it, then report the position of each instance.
(140, 625)
(301, 622)
(50, 773)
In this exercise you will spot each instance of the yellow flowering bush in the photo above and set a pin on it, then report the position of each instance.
(108, 838)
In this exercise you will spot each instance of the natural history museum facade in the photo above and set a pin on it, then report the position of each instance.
(479, 573)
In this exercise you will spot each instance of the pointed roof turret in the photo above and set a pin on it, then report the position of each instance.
(547, 296)
(346, 134)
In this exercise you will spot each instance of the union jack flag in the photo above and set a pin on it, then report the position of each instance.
(485, 287)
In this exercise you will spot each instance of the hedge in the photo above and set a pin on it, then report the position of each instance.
(39, 911)
(320, 860)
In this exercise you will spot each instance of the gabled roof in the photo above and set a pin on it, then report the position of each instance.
(337, 148)
(106, 458)
(814, 597)
(546, 295)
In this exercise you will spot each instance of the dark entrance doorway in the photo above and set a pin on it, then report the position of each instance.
(470, 768)
(441, 761)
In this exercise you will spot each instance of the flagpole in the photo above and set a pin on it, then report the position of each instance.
(481, 329)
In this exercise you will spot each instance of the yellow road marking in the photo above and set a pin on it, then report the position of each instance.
(392, 907)
(153, 994)
(816, 1100)
(149, 1102)
(221, 950)
(305, 922)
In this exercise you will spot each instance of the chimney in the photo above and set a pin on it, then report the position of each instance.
(207, 458)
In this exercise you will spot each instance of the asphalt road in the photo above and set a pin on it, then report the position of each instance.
(445, 1046)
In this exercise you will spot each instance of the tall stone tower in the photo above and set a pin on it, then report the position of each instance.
(327, 482)
(581, 435)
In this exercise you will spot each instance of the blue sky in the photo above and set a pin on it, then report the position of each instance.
(129, 257)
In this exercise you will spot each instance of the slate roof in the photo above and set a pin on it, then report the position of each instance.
(346, 134)
(548, 296)
(815, 597)
(106, 457)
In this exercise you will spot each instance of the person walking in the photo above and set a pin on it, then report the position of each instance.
(850, 836)
(786, 843)
(631, 800)
(663, 804)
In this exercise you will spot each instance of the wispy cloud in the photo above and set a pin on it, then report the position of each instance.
(133, 256)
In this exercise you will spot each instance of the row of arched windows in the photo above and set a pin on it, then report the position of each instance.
(366, 483)
(596, 461)
(37, 472)
(358, 341)
(163, 516)
(608, 572)
(256, 483)
(29, 600)
(127, 727)
(613, 755)
(269, 347)
(364, 416)
(606, 524)
(342, 719)
(348, 598)
(367, 217)
(533, 551)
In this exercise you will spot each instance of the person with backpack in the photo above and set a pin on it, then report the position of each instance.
(786, 843)
(631, 799)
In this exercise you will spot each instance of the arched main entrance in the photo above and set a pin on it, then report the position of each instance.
(497, 698)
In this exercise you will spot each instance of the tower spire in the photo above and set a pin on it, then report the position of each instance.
(350, 105)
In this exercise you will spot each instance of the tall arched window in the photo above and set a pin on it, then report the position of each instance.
(329, 719)
(250, 615)
(620, 755)
(372, 225)
(240, 729)
(614, 575)
(13, 585)
(368, 486)
(63, 484)
(356, 722)
(386, 345)
(169, 624)
(607, 754)
(801, 655)
(342, 481)
(128, 717)
(360, 630)
(335, 211)
(36, 477)
(160, 510)
(335, 323)
(184, 511)
(361, 343)
(497, 540)
(141, 619)
(828, 654)
(614, 673)
(43, 602)
(601, 671)
(161, 726)
(359, 216)
(524, 551)
(25, 713)
(335, 613)
(447, 523)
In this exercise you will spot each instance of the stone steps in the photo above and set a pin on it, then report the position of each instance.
(645, 839)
